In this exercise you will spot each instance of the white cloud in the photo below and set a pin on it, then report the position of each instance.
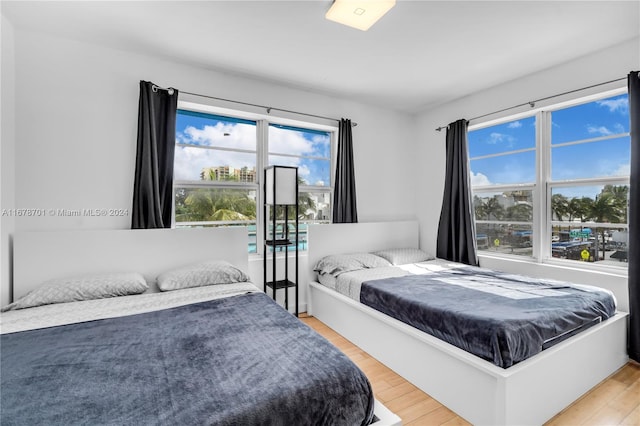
(496, 137)
(304, 171)
(623, 170)
(224, 135)
(478, 179)
(619, 128)
(501, 138)
(600, 130)
(514, 125)
(288, 142)
(620, 104)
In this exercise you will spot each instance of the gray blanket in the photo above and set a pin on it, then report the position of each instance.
(502, 318)
(241, 360)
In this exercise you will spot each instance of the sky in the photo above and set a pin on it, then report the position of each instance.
(611, 157)
(312, 147)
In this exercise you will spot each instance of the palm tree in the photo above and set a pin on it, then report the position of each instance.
(493, 207)
(559, 206)
(203, 204)
(479, 207)
(520, 213)
(579, 208)
(605, 208)
(621, 195)
(305, 204)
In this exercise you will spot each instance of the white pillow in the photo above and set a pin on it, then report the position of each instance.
(404, 256)
(337, 264)
(85, 287)
(201, 274)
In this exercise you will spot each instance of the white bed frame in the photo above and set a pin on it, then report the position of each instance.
(529, 393)
(38, 256)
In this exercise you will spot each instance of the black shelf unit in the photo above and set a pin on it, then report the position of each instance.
(275, 240)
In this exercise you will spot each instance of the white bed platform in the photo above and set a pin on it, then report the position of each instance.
(38, 256)
(529, 393)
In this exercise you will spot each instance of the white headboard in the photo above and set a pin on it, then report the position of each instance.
(342, 238)
(38, 256)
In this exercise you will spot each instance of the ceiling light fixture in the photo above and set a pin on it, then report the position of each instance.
(360, 14)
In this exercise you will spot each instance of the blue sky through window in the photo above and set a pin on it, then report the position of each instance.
(599, 119)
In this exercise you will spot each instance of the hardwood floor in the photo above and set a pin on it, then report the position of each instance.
(615, 401)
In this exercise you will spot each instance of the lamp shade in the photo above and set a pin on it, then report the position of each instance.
(281, 185)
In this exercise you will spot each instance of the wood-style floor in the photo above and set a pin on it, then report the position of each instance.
(615, 401)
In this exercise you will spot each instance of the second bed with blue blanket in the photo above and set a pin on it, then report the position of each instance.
(502, 318)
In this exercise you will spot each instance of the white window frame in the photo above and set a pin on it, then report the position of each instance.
(262, 160)
(543, 186)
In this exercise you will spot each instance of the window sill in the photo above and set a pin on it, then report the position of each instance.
(559, 265)
(254, 257)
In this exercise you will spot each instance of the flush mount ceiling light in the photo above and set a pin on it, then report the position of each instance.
(360, 14)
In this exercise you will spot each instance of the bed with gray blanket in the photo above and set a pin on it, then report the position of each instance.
(162, 327)
(502, 318)
(238, 360)
(499, 317)
(530, 392)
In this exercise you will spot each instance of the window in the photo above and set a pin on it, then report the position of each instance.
(219, 163)
(310, 151)
(503, 175)
(589, 181)
(555, 185)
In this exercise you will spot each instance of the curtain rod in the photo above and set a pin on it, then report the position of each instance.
(532, 104)
(170, 90)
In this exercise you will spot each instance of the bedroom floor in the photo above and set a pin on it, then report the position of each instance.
(616, 401)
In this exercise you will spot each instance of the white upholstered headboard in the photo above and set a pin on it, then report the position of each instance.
(38, 256)
(342, 238)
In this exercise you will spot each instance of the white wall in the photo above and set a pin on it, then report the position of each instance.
(602, 66)
(75, 131)
(7, 154)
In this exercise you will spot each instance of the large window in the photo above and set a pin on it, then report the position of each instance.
(310, 151)
(503, 175)
(218, 168)
(555, 185)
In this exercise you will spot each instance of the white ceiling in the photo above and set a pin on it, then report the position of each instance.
(421, 54)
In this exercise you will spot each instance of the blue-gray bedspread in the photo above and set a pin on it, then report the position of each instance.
(240, 360)
(502, 318)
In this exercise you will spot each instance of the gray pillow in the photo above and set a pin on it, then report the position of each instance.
(404, 256)
(337, 264)
(85, 287)
(201, 274)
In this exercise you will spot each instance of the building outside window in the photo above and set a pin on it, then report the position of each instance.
(219, 163)
(554, 185)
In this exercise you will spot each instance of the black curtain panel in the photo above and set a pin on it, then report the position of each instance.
(344, 199)
(456, 231)
(153, 185)
(634, 218)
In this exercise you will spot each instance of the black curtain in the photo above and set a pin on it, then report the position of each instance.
(634, 218)
(344, 199)
(456, 231)
(153, 185)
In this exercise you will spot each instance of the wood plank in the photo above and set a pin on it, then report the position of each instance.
(614, 402)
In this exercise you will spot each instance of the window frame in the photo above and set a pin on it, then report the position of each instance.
(262, 161)
(543, 186)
